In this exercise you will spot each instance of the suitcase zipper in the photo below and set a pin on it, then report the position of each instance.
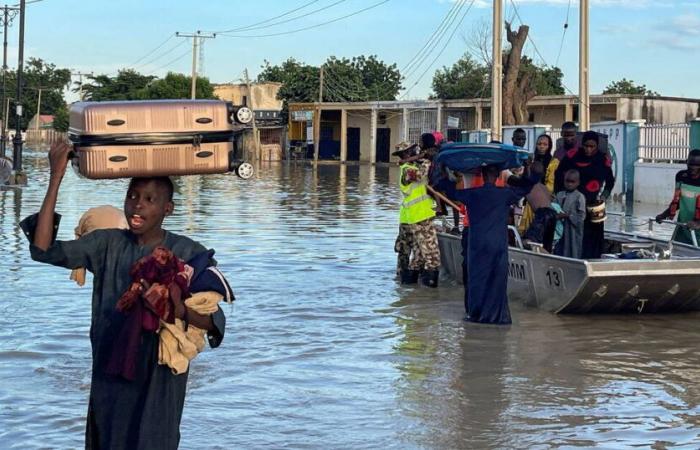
(196, 139)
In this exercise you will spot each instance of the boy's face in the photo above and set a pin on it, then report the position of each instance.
(590, 147)
(571, 182)
(519, 139)
(146, 205)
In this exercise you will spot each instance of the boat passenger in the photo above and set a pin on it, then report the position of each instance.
(686, 201)
(487, 251)
(567, 145)
(596, 183)
(543, 154)
(539, 199)
(519, 138)
(573, 204)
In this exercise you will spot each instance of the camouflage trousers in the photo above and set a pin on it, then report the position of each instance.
(426, 253)
(403, 246)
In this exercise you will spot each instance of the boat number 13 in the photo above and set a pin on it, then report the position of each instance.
(555, 278)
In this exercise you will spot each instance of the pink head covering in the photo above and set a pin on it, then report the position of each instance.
(439, 138)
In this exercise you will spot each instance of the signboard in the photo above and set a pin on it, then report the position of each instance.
(302, 116)
(452, 122)
(616, 145)
(310, 134)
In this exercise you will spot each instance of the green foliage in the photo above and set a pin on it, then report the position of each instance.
(176, 85)
(127, 85)
(358, 79)
(131, 85)
(38, 74)
(60, 119)
(468, 78)
(625, 86)
(465, 79)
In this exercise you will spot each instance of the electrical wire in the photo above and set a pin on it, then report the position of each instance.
(434, 44)
(309, 27)
(267, 20)
(563, 35)
(152, 51)
(544, 61)
(444, 19)
(449, 39)
(293, 18)
(170, 63)
(151, 61)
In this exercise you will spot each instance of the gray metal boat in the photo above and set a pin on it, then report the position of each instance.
(665, 279)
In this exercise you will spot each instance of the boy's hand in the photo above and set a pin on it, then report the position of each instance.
(58, 158)
(562, 216)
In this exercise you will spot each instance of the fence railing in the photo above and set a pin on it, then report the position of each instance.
(664, 142)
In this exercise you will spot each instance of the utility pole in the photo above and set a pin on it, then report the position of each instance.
(195, 40)
(584, 113)
(256, 136)
(80, 76)
(19, 176)
(320, 86)
(497, 72)
(8, 14)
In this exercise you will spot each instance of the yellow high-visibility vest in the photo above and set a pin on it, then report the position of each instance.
(416, 205)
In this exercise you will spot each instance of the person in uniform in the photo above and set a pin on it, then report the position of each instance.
(417, 214)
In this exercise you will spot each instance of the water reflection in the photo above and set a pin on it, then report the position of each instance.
(325, 350)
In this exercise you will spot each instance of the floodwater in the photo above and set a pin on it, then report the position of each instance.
(324, 350)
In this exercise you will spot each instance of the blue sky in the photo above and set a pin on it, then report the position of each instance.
(654, 42)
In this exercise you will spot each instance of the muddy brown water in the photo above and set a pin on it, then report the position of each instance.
(325, 350)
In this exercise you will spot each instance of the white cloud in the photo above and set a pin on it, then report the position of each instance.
(680, 34)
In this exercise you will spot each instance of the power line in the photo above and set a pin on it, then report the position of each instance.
(291, 19)
(168, 64)
(534, 46)
(152, 51)
(437, 41)
(268, 20)
(152, 60)
(309, 27)
(442, 49)
(440, 26)
(563, 35)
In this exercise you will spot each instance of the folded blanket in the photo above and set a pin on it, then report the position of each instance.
(98, 218)
(178, 347)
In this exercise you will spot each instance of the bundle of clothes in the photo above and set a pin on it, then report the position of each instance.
(161, 283)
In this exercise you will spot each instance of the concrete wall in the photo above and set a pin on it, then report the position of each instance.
(264, 94)
(657, 110)
(655, 182)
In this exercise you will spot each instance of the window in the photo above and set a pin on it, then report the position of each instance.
(531, 117)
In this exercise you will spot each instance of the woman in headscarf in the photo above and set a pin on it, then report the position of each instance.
(543, 154)
(597, 181)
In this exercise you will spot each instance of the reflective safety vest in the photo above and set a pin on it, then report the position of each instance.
(416, 205)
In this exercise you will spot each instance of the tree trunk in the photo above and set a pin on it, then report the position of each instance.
(511, 71)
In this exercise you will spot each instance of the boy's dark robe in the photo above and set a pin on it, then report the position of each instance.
(144, 413)
(487, 253)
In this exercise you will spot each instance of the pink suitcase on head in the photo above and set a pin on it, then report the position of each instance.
(153, 137)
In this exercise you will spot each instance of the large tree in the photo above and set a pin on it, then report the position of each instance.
(127, 85)
(176, 85)
(625, 86)
(522, 78)
(38, 75)
(362, 78)
(465, 79)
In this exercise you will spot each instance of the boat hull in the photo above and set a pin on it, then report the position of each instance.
(566, 285)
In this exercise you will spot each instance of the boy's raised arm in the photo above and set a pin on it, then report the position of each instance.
(58, 161)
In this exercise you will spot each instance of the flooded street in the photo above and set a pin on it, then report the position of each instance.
(324, 350)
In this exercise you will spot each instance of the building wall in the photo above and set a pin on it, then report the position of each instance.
(657, 110)
(655, 182)
(264, 94)
(548, 114)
